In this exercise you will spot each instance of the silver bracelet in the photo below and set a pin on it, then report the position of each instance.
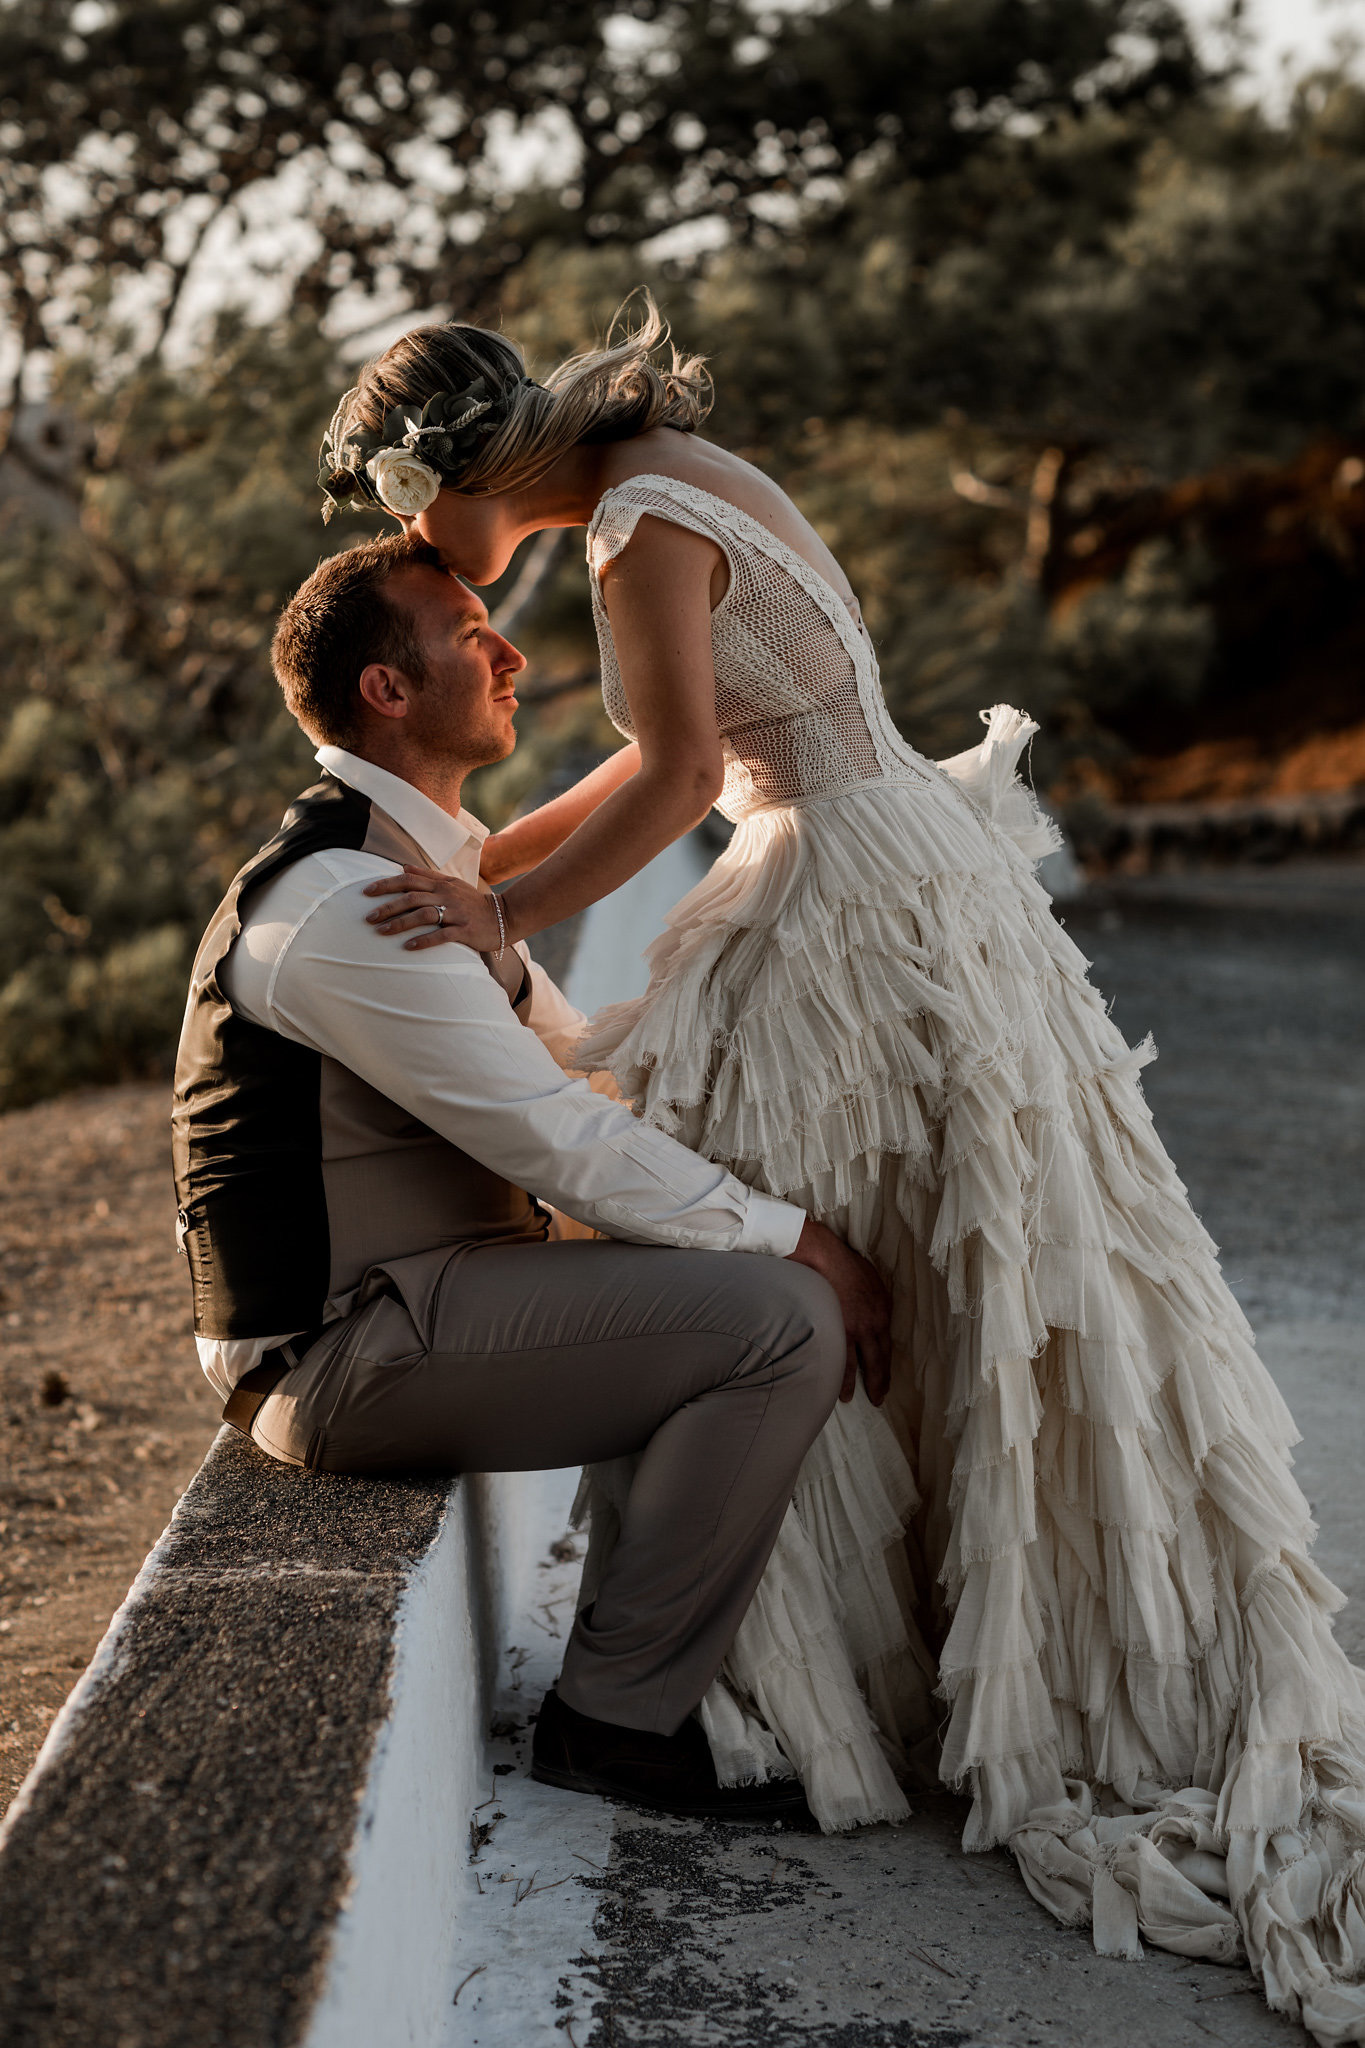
(502, 925)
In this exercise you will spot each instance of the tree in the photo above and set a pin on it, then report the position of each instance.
(134, 130)
(1060, 350)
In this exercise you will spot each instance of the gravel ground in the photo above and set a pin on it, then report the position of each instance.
(104, 1414)
(1254, 989)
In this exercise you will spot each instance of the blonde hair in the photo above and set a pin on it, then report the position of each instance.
(609, 393)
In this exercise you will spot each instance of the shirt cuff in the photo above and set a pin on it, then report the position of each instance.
(769, 1225)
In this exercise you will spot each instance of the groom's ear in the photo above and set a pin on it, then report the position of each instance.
(387, 691)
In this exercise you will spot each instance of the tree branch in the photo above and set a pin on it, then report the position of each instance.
(1042, 502)
(977, 491)
(180, 276)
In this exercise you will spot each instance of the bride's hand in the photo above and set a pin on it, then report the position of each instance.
(436, 909)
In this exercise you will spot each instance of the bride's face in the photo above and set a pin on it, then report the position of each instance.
(476, 536)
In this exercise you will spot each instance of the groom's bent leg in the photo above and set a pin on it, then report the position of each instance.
(719, 1368)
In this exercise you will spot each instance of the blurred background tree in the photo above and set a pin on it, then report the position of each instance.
(1058, 342)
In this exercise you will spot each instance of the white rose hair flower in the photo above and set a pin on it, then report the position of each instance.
(419, 450)
(403, 483)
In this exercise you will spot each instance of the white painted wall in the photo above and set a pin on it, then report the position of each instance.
(391, 1975)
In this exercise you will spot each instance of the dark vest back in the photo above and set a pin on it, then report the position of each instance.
(292, 1174)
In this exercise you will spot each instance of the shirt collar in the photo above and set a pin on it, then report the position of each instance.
(444, 840)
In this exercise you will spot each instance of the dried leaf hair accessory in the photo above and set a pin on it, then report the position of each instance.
(402, 467)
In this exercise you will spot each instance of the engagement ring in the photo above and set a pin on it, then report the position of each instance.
(440, 913)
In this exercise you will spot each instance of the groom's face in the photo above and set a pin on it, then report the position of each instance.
(464, 708)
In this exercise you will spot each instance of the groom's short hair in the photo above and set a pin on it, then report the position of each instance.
(340, 621)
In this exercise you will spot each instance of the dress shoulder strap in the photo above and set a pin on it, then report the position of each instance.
(666, 497)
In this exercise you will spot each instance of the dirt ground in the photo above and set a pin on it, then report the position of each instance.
(104, 1414)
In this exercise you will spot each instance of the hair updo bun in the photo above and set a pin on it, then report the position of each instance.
(609, 393)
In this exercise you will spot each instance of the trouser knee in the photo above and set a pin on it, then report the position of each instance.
(808, 1336)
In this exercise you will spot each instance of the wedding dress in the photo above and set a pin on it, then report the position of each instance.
(1079, 1492)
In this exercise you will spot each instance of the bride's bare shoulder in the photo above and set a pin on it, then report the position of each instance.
(666, 452)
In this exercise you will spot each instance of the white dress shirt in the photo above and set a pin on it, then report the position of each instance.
(435, 1033)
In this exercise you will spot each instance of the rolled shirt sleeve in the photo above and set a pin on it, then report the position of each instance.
(435, 1033)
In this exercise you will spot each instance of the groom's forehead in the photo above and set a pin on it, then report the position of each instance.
(441, 589)
(468, 600)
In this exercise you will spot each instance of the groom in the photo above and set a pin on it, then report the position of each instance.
(363, 1136)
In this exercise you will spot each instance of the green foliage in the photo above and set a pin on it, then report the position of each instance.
(1176, 292)
(1145, 637)
(144, 747)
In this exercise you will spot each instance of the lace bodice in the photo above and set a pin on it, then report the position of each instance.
(798, 697)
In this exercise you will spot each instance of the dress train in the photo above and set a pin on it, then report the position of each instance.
(1080, 1494)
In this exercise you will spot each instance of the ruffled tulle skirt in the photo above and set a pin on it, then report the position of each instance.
(1067, 1565)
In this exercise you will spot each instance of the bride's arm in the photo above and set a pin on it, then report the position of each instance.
(658, 598)
(527, 841)
(658, 595)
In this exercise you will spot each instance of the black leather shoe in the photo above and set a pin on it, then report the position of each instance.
(663, 1773)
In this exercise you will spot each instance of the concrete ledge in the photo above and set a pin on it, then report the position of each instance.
(246, 1826)
(1135, 839)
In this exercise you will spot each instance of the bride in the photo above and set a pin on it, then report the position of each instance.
(1066, 1565)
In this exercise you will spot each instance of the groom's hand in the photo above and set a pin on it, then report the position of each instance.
(865, 1303)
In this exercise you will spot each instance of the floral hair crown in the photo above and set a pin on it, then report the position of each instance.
(402, 467)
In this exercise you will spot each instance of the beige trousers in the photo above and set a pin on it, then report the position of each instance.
(720, 1368)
